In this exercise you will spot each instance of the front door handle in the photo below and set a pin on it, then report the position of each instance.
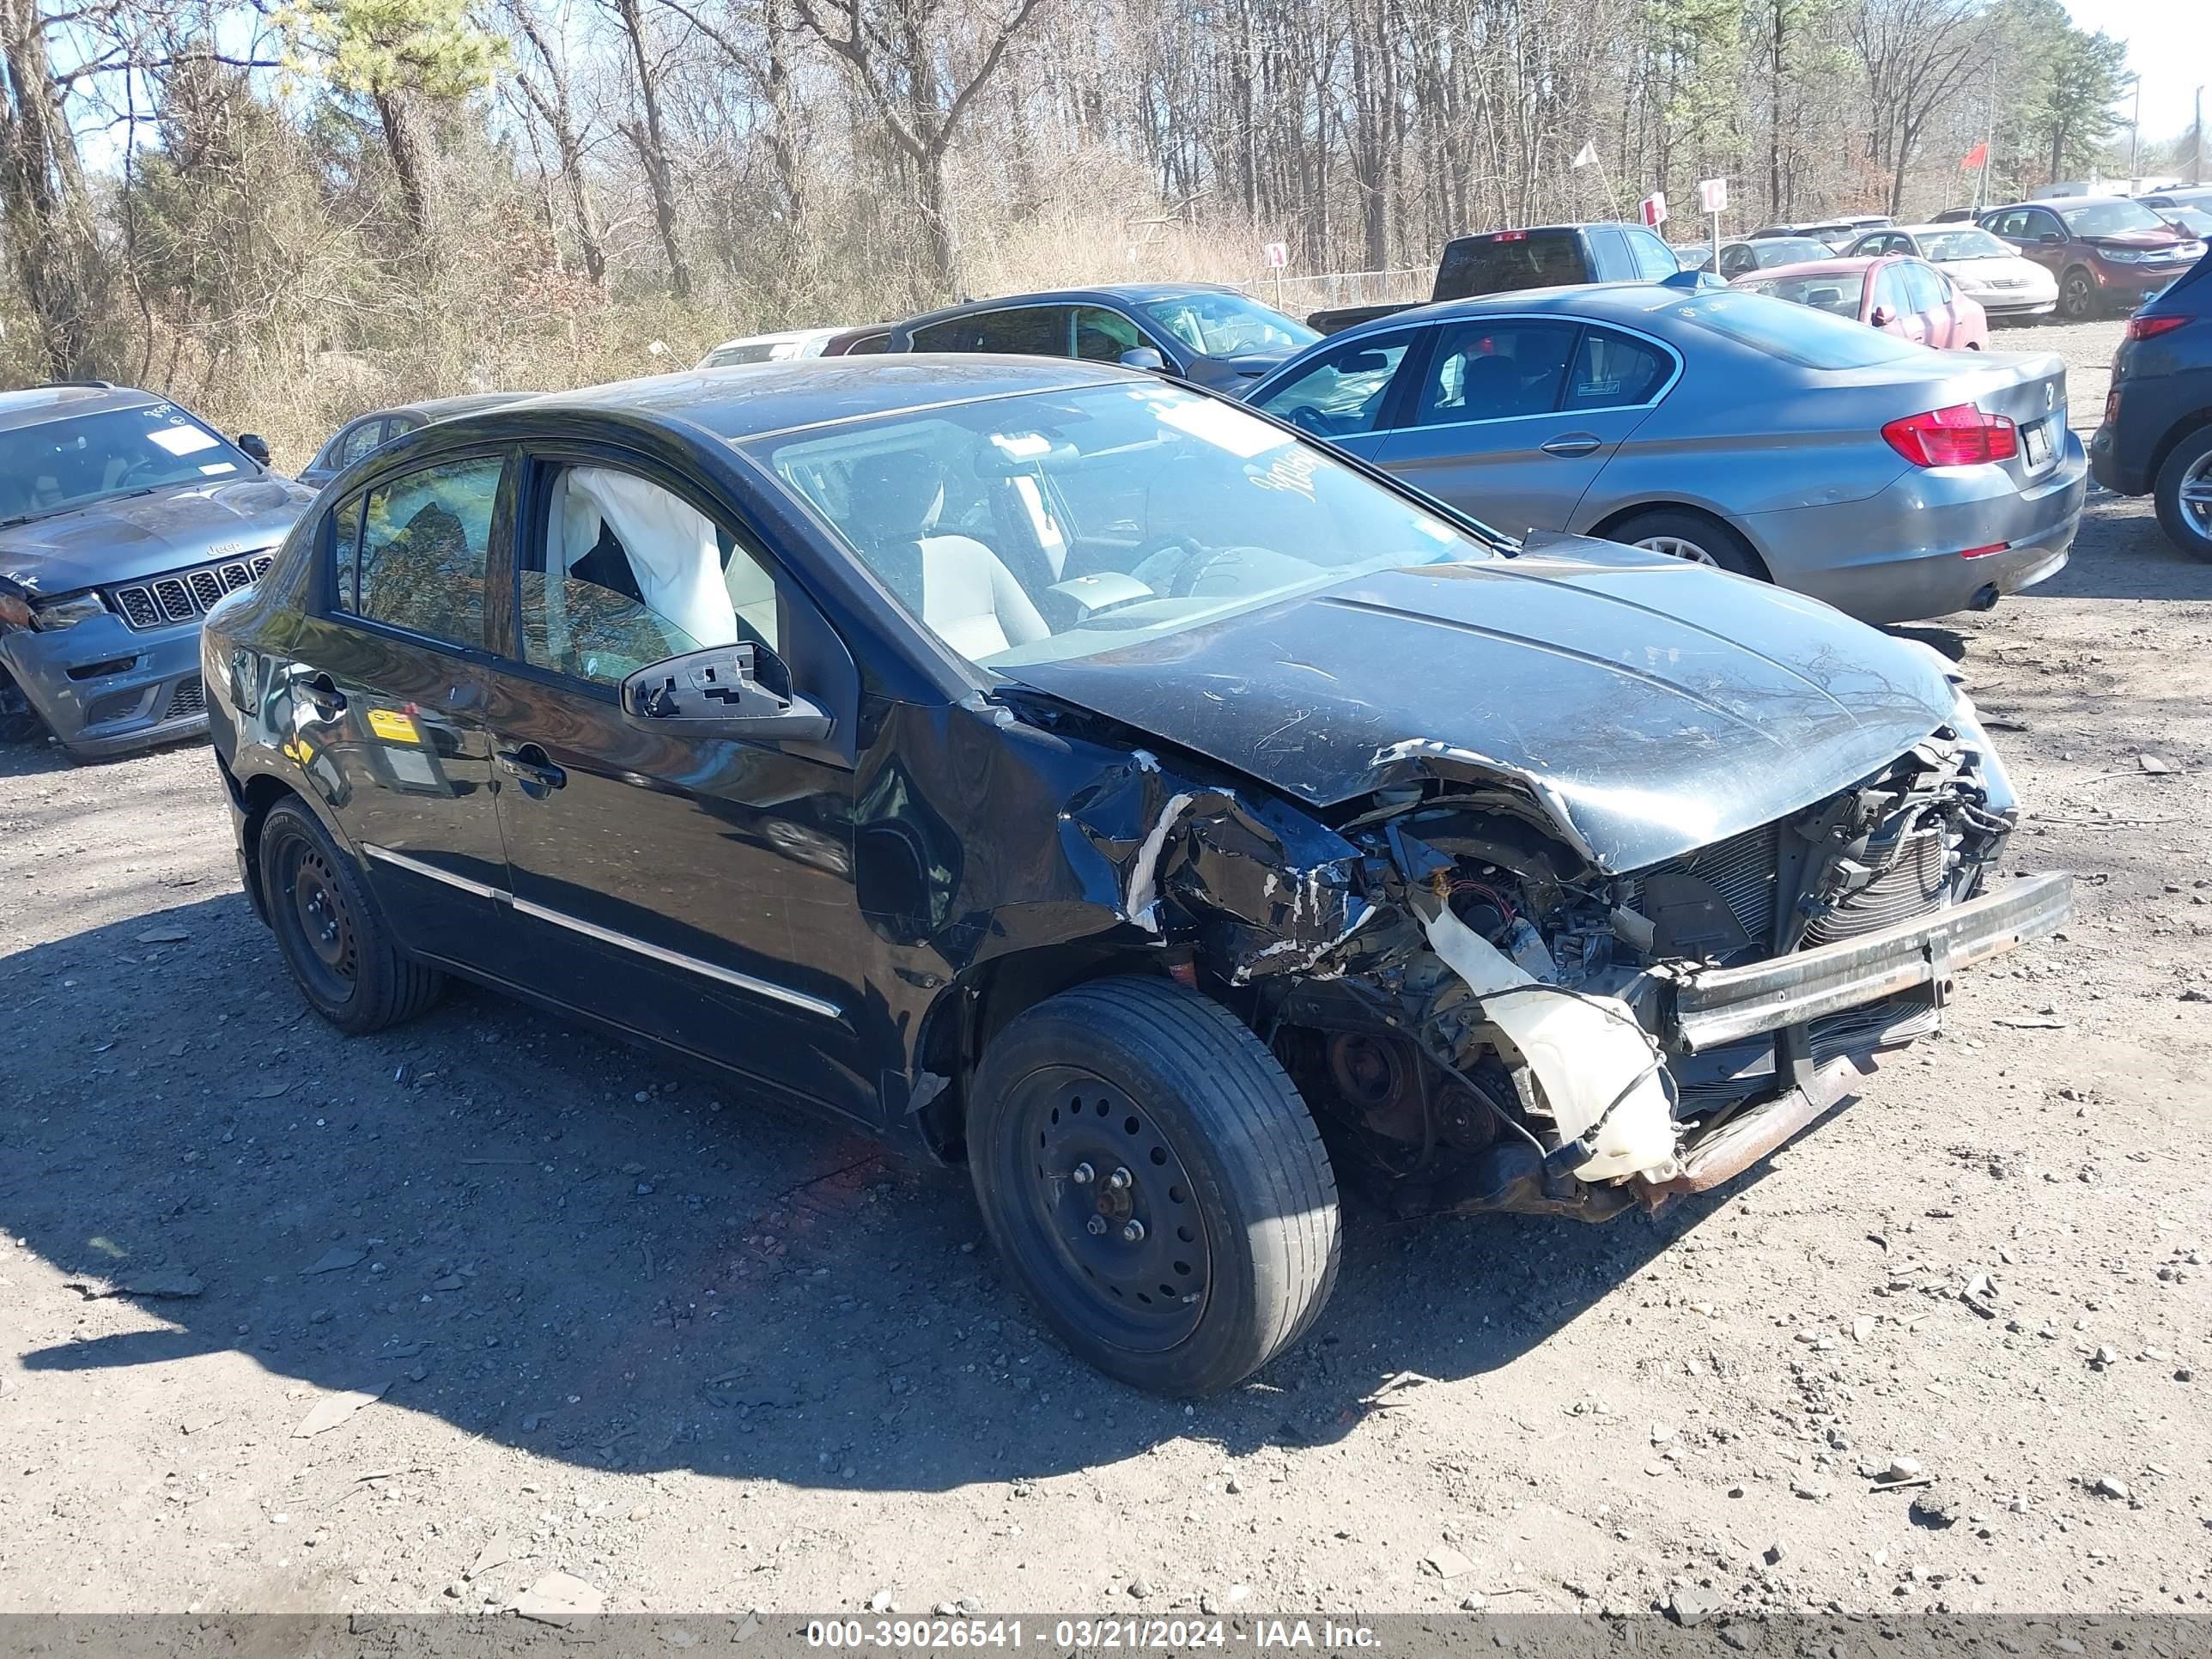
(533, 766)
(1571, 444)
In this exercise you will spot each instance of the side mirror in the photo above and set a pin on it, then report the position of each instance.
(254, 447)
(725, 692)
(1144, 357)
(1878, 318)
(2052, 239)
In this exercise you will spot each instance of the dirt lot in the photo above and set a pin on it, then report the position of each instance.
(704, 1356)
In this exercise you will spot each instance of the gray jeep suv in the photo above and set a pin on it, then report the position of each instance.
(122, 519)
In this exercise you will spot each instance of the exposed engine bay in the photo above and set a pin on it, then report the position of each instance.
(1485, 1018)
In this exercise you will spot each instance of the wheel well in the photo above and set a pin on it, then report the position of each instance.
(260, 793)
(2180, 432)
(979, 1005)
(1605, 527)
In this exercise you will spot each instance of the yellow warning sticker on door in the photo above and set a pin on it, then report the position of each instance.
(392, 726)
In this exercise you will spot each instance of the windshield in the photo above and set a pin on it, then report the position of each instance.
(1970, 244)
(1227, 325)
(1837, 292)
(1798, 333)
(1788, 251)
(2110, 218)
(78, 460)
(1058, 525)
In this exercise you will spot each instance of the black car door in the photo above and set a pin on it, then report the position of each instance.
(697, 890)
(387, 693)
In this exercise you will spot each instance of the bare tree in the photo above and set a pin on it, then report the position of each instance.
(545, 83)
(901, 52)
(648, 135)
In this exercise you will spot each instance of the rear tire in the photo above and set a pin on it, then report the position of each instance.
(2182, 492)
(1152, 1177)
(1691, 537)
(341, 954)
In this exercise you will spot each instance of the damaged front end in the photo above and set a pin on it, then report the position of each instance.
(1485, 1016)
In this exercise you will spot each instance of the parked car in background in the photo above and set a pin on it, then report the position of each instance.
(1906, 297)
(370, 432)
(1719, 426)
(122, 519)
(1005, 757)
(1541, 255)
(2007, 286)
(1218, 336)
(2195, 221)
(2189, 196)
(798, 342)
(1738, 258)
(2107, 253)
(1835, 234)
(2156, 438)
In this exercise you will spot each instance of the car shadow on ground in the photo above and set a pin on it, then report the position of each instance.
(566, 1245)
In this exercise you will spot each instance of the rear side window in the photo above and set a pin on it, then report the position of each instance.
(1653, 262)
(1796, 333)
(1612, 371)
(1026, 332)
(1494, 371)
(1509, 261)
(424, 541)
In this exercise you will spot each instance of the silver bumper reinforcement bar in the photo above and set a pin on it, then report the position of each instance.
(1717, 1005)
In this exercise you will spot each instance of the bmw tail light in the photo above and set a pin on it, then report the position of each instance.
(2149, 328)
(1961, 435)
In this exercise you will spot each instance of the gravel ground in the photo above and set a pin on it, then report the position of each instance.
(703, 1356)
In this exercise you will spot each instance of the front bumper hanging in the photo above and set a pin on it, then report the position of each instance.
(1717, 1005)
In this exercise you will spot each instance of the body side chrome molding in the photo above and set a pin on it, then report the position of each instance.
(730, 976)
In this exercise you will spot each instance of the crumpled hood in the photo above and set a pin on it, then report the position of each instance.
(136, 535)
(1652, 707)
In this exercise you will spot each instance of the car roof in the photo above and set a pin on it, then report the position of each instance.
(1923, 230)
(748, 399)
(1839, 267)
(34, 405)
(1623, 302)
(776, 338)
(1132, 293)
(446, 409)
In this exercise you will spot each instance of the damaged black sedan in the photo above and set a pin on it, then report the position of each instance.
(1092, 782)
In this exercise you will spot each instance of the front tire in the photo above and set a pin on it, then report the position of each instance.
(340, 952)
(1150, 1176)
(2077, 296)
(2182, 492)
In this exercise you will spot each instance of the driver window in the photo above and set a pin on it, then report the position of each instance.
(1887, 298)
(1344, 392)
(1102, 336)
(621, 573)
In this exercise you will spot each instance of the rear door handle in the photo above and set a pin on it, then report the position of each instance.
(532, 765)
(322, 694)
(1571, 444)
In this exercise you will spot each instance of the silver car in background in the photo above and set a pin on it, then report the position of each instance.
(1771, 439)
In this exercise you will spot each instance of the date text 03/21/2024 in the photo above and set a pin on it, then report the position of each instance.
(1086, 1635)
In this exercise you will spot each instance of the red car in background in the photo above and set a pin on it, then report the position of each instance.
(2108, 252)
(1894, 293)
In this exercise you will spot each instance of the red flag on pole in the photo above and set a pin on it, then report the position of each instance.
(1977, 157)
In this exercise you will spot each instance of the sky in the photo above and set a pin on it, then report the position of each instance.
(2169, 43)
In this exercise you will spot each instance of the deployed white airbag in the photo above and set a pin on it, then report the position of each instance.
(673, 552)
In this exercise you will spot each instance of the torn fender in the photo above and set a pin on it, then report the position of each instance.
(1259, 886)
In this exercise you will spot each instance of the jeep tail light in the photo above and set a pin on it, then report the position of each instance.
(1961, 435)
(2149, 328)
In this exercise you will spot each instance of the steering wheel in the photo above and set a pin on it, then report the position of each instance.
(1308, 417)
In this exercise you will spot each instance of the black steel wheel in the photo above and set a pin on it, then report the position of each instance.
(339, 951)
(1152, 1177)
